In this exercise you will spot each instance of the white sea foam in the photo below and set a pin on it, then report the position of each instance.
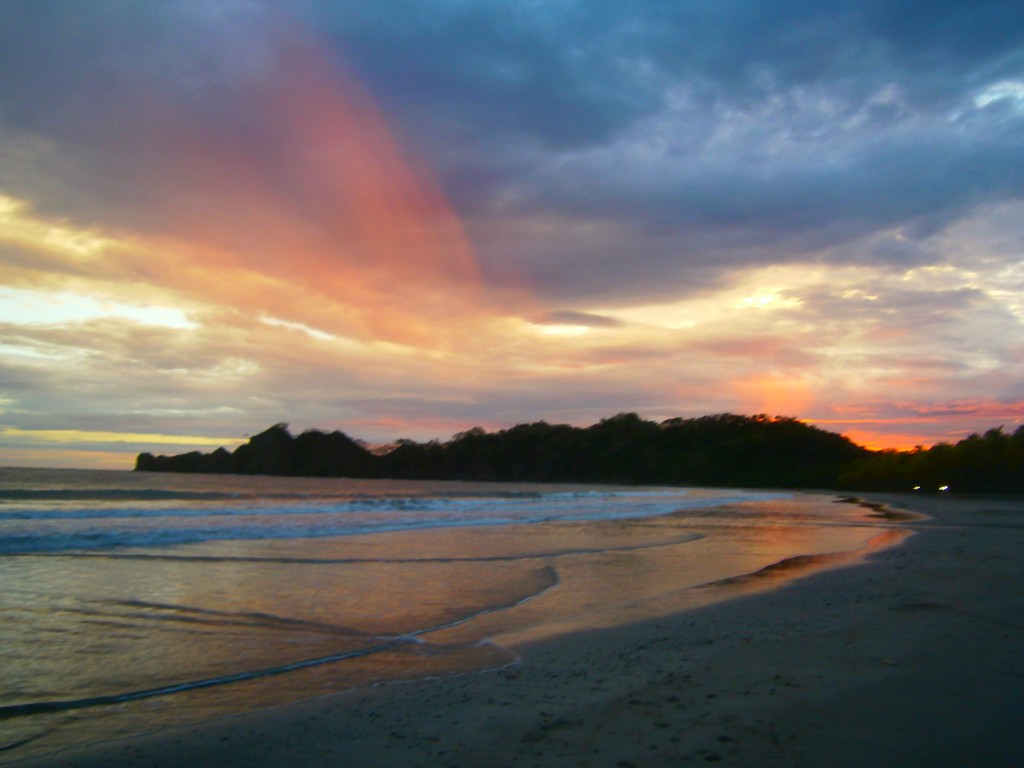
(42, 512)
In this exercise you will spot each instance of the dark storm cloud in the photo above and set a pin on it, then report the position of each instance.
(75, 84)
(906, 179)
(93, 98)
(701, 128)
(555, 73)
(572, 73)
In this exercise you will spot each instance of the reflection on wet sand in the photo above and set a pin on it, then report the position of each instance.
(158, 637)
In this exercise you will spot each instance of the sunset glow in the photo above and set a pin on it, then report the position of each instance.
(406, 225)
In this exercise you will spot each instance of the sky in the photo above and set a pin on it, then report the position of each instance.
(407, 218)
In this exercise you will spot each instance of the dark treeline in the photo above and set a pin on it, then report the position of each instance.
(988, 463)
(723, 450)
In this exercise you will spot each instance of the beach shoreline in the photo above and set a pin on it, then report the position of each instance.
(908, 658)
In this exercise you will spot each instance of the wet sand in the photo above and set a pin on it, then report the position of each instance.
(910, 658)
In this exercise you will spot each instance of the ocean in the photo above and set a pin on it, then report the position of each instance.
(133, 602)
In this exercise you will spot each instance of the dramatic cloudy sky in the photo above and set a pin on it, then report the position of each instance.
(404, 218)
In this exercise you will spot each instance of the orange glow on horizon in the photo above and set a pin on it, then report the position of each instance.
(960, 419)
(884, 441)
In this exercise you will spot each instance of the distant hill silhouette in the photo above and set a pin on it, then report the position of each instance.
(720, 450)
(724, 449)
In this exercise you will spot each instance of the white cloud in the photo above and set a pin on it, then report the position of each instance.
(20, 306)
(1007, 90)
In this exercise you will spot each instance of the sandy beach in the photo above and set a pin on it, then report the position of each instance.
(911, 657)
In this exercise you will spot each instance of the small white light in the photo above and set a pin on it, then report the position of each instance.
(943, 487)
(917, 487)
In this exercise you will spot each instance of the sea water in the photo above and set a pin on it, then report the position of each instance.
(131, 602)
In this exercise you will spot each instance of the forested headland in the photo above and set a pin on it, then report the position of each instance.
(720, 450)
